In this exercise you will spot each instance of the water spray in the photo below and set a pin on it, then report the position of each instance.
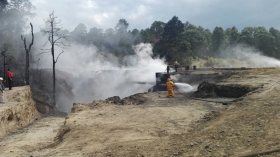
(183, 87)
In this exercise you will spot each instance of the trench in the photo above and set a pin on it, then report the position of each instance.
(205, 85)
(213, 90)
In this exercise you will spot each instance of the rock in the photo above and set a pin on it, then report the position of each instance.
(114, 100)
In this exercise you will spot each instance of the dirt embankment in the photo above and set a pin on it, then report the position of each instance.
(179, 126)
(18, 110)
(150, 124)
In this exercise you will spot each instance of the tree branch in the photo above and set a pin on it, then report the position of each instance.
(58, 39)
(24, 42)
(30, 45)
(58, 56)
(41, 53)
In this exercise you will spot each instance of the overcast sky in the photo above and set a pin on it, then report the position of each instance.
(141, 14)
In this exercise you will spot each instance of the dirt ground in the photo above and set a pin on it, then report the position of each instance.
(150, 124)
(19, 109)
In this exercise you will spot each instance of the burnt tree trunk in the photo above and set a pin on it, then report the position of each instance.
(3, 53)
(55, 37)
(27, 54)
(51, 39)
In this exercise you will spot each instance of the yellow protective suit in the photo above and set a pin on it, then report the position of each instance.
(169, 85)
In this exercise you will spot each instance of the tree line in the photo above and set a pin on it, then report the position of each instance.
(173, 40)
(177, 41)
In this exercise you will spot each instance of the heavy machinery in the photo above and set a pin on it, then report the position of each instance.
(161, 79)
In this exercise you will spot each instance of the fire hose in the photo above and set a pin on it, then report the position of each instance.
(224, 103)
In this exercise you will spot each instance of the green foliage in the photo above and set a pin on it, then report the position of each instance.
(217, 39)
(219, 62)
(264, 41)
(156, 31)
(233, 36)
(195, 38)
(247, 36)
(121, 26)
(79, 33)
(173, 29)
(211, 62)
(187, 61)
(171, 46)
(176, 41)
(95, 37)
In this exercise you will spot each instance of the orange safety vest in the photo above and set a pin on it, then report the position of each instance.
(169, 85)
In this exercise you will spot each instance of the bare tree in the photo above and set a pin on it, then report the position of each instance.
(27, 52)
(56, 37)
(4, 54)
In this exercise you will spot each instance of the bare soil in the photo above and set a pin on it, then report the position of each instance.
(150, 124)
(18, 111)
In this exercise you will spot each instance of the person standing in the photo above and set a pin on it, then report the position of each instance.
(176, 66)
(10, 78)
(169, 85)
(167, 69)
(2, 88)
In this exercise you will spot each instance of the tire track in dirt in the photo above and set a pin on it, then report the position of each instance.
(31, 138)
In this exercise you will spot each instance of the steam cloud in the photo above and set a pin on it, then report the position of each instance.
(97, 76)
(254, 58)
(249, 57)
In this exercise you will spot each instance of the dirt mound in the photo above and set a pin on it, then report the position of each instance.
(136, 99)
(206, 89)
(18, 110)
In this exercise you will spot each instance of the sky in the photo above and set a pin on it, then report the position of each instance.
(140, 14)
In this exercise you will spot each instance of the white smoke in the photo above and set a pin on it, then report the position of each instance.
(97, 76)
(248, 57)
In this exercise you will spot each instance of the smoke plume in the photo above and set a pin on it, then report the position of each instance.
(242, 56)
(97, 75)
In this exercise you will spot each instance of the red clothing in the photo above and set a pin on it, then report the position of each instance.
(10, 74)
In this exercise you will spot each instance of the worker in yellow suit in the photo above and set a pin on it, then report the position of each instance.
(170, 85)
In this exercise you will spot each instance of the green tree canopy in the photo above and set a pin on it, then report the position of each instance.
(121, 26)
(217, 40)
(79, 33)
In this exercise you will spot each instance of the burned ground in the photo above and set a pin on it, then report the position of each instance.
(212, 90)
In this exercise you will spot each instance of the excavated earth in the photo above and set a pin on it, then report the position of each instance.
(149, 124)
